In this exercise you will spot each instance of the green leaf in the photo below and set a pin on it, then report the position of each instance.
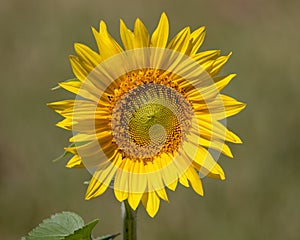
(65, 226)
(83, 233)
(65, 153)
(108, 237)
(57, 227)
(61, 157)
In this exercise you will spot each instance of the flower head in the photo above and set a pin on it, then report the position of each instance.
(148, 115)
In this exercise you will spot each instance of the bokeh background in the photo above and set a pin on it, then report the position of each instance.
(260, 197)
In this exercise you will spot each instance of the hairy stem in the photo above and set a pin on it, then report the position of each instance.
(129, 222)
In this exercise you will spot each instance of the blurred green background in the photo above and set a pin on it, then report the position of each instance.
(260, 197)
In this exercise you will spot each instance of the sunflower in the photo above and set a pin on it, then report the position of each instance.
(149, 114)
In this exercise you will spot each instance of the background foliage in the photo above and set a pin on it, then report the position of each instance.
(260, 197)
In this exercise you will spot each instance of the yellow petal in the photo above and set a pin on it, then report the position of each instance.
(203, 160)
(214, 130)
(217, 172)
(120, 195)
(232, 106)
(60, 106)
(183, 180)
(172, 186)
(79, 71)
(197, 39)
(121, 183)
(194, 180)
(75, 86)
(154, 177)
(106, 44)
(138, 178)
(127, 36)
(220, 108)
(205, 56)
(100, 181)
(71, 86)
(218, 64)
(102, 178)
(207, 65)
(66, 124)
(87, 55)
(169, 171)
(86, 110)
(75, 162)
(216, 145)
(71, 149)
(180, 42)
(121, 186)
(95, 189)
(230, 136)
(141, 35)
(151, 202)
(95, 155)
(134, 199)
(162, 194)
(160, 35)
(222, 82)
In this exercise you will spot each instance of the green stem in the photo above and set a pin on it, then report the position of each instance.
(129, 222)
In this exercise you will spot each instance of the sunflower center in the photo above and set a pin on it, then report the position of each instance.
(152, 124)
(150, 119)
